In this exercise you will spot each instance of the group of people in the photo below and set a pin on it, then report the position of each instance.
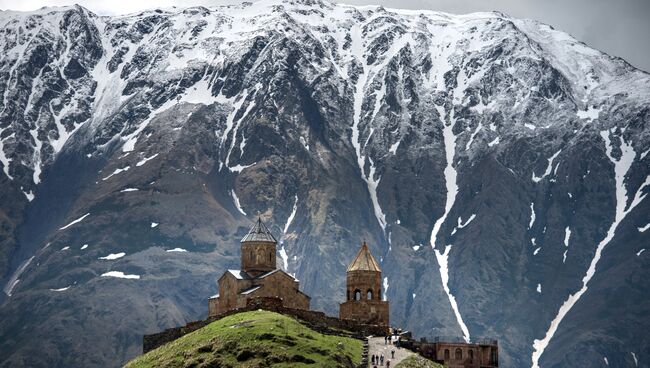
(376, 360)
(389, 340)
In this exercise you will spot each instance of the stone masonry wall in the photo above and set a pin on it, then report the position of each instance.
(366, 311)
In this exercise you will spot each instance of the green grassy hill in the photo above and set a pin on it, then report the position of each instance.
(254, 339)
(416, 361)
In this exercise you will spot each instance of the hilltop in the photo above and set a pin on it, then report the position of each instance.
(257, 338)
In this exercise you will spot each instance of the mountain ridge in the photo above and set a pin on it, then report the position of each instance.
(463, 148)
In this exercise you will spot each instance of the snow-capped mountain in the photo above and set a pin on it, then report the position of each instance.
(498, 167)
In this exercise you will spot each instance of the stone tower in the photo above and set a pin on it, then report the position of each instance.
(258, 250)
(364, 303)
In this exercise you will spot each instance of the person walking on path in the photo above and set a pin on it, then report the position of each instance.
(392, 354)
(388, 364)
(381, 360)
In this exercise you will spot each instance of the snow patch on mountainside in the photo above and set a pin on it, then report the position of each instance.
(536, 178)
(461, 225)
(237, 124)
(113, 256)
(200, 93)
(449, 173)
(237, 103)
(116, 172)
(532, 216)
(131, 139)
(471, 138)
(236, 201)
(292, 215)
(62, 289)
(368, 74)
(590, 114)
(285, 258)
(443, 261)
(621, 168)
(3, 157)
(120, 275)
(75, 221)
(176, 250)
(14, 279)
(144, 160)
(385, 288)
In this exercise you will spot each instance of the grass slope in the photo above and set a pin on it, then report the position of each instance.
(254, 339)
(416, 361)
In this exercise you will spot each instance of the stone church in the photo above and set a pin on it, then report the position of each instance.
(364, 303)
(258, 277)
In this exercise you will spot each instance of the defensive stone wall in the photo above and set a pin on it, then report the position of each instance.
(317, 321)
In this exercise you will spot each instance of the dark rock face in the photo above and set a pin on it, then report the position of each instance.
(497, 168)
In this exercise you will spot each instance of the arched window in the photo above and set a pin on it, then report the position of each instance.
(348, 295)
(446, 355)
(458, 354)
(251, 255)
(270, 256)
(369, 294)
(357, 295)
(471, 356)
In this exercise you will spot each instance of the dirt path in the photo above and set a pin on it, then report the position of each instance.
(377, 347)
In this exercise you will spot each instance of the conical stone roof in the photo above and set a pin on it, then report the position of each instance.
(259, 233)
(364, 261)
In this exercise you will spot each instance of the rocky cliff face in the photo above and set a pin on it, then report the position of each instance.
(497, 167)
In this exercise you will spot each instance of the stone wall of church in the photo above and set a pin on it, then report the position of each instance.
(229, 288)
(362, 283)
(258, 257)
(285, 287)
(365, 311)
(213, 306)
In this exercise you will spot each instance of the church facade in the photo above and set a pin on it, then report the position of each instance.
(364, 302)
(258, 277)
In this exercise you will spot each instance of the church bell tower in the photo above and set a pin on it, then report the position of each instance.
(364, 302)
(258, 250)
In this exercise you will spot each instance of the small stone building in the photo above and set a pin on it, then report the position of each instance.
(458, 354)
(467, 355)
(258, 276)
(364, 302)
